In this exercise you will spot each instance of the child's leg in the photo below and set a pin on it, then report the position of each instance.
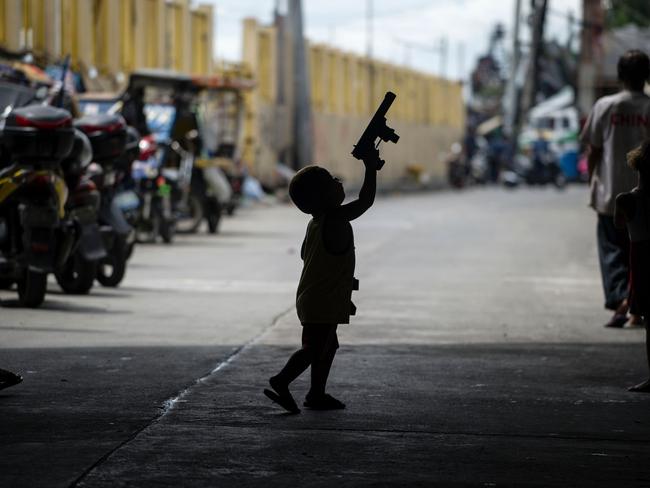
(645, 386)
(320, 368)
(296, 365)
(303, 357)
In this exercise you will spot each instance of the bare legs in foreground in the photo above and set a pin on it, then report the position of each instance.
(645, 386)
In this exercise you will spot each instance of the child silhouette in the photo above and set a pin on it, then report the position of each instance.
(633, 211)
(323, 299)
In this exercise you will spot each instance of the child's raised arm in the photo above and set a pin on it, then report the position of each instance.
(358, 207)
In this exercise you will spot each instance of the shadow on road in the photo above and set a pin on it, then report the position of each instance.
(450, 413)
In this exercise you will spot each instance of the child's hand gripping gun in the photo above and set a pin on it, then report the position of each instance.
(377, 128)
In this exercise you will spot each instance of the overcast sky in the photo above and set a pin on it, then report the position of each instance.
(465, 24)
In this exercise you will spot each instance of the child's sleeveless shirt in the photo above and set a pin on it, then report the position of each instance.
(639, 231)
(325, 289)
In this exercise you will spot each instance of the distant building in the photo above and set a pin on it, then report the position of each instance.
(600, 51)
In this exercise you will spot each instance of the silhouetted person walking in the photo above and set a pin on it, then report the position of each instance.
(633, 211)
(617, 124)
(324, 293)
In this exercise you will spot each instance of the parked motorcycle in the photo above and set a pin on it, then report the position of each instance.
(79, 271)
(196, 197)
(108, 138)
(458, 170)
(155, 217)
(236, 179)
(33, 194)
(545, 170)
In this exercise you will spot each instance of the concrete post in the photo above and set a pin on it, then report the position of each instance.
(112, 42)
(13, 22)
(202, 35)
(150, 33)
(52, 26)
(251, 127)
(186, 37)
(85, 41)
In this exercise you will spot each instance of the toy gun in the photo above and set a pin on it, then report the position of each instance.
(377, 128)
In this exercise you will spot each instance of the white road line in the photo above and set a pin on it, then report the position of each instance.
(209, 286)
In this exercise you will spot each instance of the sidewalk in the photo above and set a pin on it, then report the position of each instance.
(481, 414)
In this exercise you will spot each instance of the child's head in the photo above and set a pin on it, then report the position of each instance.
(639, 159)
(314, 190)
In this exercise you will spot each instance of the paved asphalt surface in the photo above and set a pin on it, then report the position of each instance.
(477, 358)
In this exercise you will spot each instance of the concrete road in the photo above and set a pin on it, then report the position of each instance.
(477, 358)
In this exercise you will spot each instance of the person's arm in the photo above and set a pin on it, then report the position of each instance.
(594, 157)
(358, 207)
(624, 209)
(592, 136)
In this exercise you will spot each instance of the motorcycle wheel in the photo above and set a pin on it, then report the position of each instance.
(112, 268)
(190, 223)
(77, 276)
(166, 231)
(129, 250)
(560, 181)
(6, 283)
(162, 226)
(146, 232)
(213, 216)
(32, 288)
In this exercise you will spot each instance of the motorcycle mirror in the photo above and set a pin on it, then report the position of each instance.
(42, 93)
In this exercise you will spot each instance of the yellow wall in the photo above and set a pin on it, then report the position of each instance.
(428, 112)
(127, 35)
(112, 36)
(3, 34)
(201, 42)
(178, 35)
(69, 24)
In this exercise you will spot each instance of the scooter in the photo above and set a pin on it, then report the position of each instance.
(544, 170)
(108, 137)
(79, 271)
(196, 196)
(33, 194)
(156, 217)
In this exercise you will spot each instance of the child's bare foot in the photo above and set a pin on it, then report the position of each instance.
(641, 387)
(617, 321)
(635, 321)
(323, 402)
(281, 395)
(619, 318)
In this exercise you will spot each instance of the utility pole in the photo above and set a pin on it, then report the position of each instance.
(443, 70)
(280, 66)
(302, 120)
(536, 50)
(369, 53)
(443, 56)
(513, 118)
(460, 62)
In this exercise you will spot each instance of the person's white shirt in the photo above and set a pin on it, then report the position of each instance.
(617, 124)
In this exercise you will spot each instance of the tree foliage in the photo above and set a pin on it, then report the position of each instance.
(624, 12)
